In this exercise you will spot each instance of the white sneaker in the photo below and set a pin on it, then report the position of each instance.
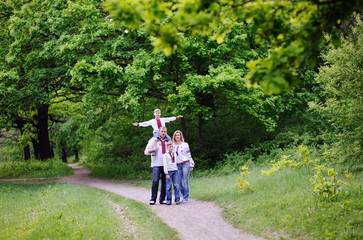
(152, 202)
(184, 201)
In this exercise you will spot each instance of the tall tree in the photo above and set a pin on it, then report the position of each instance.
(203, 80)
(341, 78)
(47, 43)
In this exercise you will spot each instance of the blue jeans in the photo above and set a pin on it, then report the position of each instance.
(157, 135)
(173, 178)
(158, 173)
(183, 172)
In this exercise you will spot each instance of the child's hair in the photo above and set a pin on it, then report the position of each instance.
(157, 110)
(169, 143)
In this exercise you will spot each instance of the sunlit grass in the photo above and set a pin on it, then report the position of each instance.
(34, 169)
(65, 211)
(283, 206)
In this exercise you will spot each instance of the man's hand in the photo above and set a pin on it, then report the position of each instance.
(191, 169)
(167, 176)
(135, 124)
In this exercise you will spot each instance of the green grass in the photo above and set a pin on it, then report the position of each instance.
(65, 211)
(34, 169)
(283, 206)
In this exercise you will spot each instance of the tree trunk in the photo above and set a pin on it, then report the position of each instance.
(20, 125)
(76, 155)
(44, 149)
(64, 155)
(35, 148)
(200, 132)
(184, 129)
(26, 153)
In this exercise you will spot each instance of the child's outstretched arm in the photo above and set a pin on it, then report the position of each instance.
(169, 119)
(143, 124)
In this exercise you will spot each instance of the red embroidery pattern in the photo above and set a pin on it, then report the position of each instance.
(172, 157)
(163, 147)
(158, 122)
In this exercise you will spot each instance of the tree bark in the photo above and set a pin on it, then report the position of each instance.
(26, 153)
(64, 155)
(76, 155)
(20, 125)
(200, 132)
(35, 148)
(44, 149)
(184, 129)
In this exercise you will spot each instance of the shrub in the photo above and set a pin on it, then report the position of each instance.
(327, 186)
(242, 184)
(34, 168)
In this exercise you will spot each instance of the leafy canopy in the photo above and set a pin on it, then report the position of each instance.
(293, 28)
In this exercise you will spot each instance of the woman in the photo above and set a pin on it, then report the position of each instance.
(185, 163)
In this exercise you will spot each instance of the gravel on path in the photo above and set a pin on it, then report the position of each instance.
(197, 220)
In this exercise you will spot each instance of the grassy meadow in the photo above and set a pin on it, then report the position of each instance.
(284, 206)
(66, 211)
(34, 169)
(287, 203)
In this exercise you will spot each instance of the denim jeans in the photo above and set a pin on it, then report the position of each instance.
(158, 173)
(183, 172)
(175, 179)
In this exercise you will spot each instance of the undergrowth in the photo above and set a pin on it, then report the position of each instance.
(34, 168)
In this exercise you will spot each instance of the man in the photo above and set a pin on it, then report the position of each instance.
(157, 165)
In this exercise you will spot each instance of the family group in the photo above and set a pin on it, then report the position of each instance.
(171, 161)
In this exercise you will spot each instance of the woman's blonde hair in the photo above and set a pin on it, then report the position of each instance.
(181, 136)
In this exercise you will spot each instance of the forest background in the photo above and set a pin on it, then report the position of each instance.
(251, 79)
(271, 94)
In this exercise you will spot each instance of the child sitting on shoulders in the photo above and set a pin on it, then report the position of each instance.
(156, 123)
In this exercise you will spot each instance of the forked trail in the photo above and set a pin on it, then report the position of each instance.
(195, 220)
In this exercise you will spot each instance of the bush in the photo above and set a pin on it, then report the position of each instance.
(34, 168)
(121, 171)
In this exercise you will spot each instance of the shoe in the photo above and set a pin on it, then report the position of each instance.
(168, 203)
(152, 202)
(184, 201)
(163, 202)
(177, 202)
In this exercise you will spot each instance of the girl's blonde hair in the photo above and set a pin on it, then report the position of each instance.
(181, 136)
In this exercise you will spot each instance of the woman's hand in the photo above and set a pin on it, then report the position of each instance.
(191, 169)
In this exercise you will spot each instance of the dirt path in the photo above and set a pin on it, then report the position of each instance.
(196, 219)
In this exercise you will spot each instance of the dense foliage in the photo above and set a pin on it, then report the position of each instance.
(292, 28)
(341, 80)
(73, 78)
(34, 169)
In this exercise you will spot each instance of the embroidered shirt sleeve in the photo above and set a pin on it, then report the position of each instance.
(189, 154)
(147, 123)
